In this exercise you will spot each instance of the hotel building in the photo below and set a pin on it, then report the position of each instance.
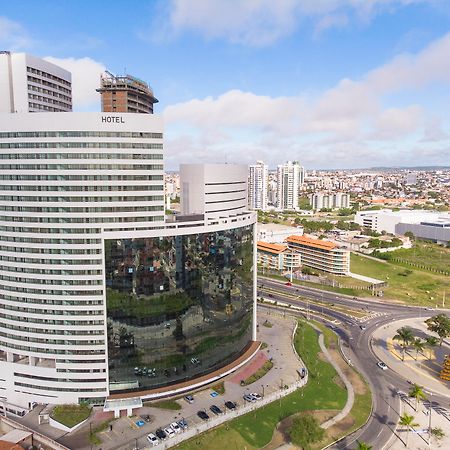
(100, 297)
(30, 84)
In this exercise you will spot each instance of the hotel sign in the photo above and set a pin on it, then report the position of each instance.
(112, 119)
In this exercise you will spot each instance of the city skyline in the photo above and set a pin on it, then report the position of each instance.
(338, 84)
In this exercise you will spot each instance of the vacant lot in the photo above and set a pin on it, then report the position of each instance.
(407, 284)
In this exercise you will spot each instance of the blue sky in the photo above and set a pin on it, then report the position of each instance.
(331, 83)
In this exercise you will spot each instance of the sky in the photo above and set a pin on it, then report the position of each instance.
(330, 83)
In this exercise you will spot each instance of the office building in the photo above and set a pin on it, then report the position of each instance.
(100, 298)
(125, 94)
(30, 84)
(320, 254)
(213, 190)
(258, 186)
(289, 182)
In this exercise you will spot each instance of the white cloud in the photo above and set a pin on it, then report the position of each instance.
(341, 123)
(85, 80)
(13, 36)
(263, 22)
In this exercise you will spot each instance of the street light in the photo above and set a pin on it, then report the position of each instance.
(429, 419)
(262, 390)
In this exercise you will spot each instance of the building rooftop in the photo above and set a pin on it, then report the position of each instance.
(272, 248)
(317, 243)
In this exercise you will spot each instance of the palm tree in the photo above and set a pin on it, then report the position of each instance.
(405, 336)
(418, 346)
(363, 446)
(407, 421)
(431, 341)
(417, 392)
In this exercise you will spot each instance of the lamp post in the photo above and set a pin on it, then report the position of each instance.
(429, 420)
(262, 390)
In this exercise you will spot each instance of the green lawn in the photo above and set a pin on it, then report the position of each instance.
(321, 392)
(412, 286)
(70, 415)
(259, 373)
(425, 254)
(164, 404)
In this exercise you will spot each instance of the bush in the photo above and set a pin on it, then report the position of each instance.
(306, 430)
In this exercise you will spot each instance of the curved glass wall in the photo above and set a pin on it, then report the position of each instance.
(177, 307)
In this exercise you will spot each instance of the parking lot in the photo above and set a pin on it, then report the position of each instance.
(275, 331)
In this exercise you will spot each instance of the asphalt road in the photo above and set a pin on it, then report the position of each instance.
(384, 383)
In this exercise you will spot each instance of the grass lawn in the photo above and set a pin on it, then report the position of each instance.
(70, 415)
(219, 388)
(416, 288)
(426, 254)
(321, 392)
(164, 404)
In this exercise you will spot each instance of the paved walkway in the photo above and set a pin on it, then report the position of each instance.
(350, 392)
(357, 276)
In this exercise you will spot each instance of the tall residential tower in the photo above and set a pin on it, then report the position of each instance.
(258, 185)
(289, 183)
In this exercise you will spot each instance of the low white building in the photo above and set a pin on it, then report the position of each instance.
(275, 233)
(429, 225)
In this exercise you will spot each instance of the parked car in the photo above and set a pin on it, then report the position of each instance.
(189, 398)
(152, 439)
(249, 398)
(175, 427)
(147, 418)
(382, 365)
(215, 409)
(170, 433)
(230, 405)
(161, 434)
(256, 396)
(183, 424)
(203, 415)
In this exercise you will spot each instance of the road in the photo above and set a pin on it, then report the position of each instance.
(384, 384)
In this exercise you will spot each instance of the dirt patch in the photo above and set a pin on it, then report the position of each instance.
(337, 380)
(334, 432)
(358, 385)
(322, 357)
(281, 435)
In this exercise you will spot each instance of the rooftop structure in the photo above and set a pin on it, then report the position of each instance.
(126, 94)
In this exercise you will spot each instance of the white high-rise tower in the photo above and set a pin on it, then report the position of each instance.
(289, 182)
(30, 84)
(258, 183)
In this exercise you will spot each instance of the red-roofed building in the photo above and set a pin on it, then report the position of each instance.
(319, 254)
(277, 257)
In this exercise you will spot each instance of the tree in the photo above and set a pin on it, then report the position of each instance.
(306, 430)
(418, 345)
(417, 393)
(440, 325)
(363, 446)
(404, 336)
(430, 342)
(407, 421)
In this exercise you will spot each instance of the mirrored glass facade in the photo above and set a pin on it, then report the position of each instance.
(178, 307)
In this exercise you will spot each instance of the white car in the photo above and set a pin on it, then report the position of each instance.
(152, 439)
(175, 427)
(382, 365)
(256, 396)
(170, 433)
